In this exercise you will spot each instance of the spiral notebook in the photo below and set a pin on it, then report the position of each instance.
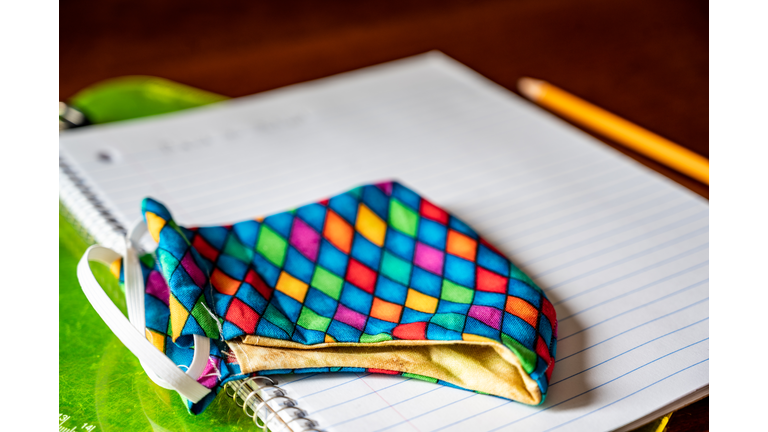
(621, 251)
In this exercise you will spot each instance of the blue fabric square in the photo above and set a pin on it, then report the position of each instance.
(545, 329)
(400, 244)
(287, 305)
(484, 298)
(476, 327)
(346, 206)
(232, 266)
(462, 227)
(320, 303)
(268, 271)
(251, 297)
(343, 332)
(356, 299)
(376, 200)
(411, 316)
(390, 290)
(432, 233)
(519, 330)
(426, 282)
(332, 258)
(406, 196)
(187, 292)
(459, 270)
(366, 252)
(220, 304)
(491, 260)
(281, 223)
(298, 266)
(539, 375)
(192, 327)
(229, 330)
(173, 244)
(436, 332)
(376, 326)
(524, 291)
(215, 236)
(157, 314)
(313, 214)
(445, 306)
(247, 232)
(307, 336)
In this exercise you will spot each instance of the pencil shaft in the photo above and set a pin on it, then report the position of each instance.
(624, 132)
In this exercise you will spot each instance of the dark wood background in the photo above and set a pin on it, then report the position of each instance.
(645, 60)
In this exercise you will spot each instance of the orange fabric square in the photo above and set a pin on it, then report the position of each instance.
(460, 245)
(338, 232)
(223, 283)
(521, 308)
(385, 310)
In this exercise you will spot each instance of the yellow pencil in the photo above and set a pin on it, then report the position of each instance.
(626, 133)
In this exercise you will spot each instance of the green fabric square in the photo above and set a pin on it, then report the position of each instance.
(526, 356)
(456, 293)
(277, 318)
(402, 218)
(312, 321)
(450, 321)
(204, 318)
(238, 250)
(396, 269)
(420, 377)
(272, 246)
(327, 282)
(367, 338)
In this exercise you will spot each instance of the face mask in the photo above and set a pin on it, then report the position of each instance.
(375, 279)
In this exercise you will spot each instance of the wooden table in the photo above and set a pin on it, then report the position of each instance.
(645, 60)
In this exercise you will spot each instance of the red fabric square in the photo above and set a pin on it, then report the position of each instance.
(242, 316)
(361, 276)
(412, 331)
(204, 248)
(431, 211)
(257, 282)
(491, 282)
(549, 311)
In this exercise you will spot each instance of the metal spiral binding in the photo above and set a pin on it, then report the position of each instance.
(271, 407)
(87, 211)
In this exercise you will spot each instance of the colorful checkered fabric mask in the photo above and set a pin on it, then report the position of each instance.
(376, 279)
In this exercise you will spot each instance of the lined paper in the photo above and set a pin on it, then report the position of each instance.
(621, 251)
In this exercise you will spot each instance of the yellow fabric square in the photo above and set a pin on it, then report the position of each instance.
(292, 287)
(420, 302)
(157, 339)
(178, 316)
(154, 224)
(371, 226)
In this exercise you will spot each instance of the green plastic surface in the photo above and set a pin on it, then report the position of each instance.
(101, 383)
(138, 96)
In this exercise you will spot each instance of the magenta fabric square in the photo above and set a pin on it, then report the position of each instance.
(305, 239)
(429, 258)
(350, 317)
(487, 315)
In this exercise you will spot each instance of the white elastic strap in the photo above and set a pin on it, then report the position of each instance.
(134, 295)
(135, 340)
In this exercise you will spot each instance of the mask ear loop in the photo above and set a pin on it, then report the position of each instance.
(134, 295)
(161, 367)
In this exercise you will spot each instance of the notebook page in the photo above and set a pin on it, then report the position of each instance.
(621, 251)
